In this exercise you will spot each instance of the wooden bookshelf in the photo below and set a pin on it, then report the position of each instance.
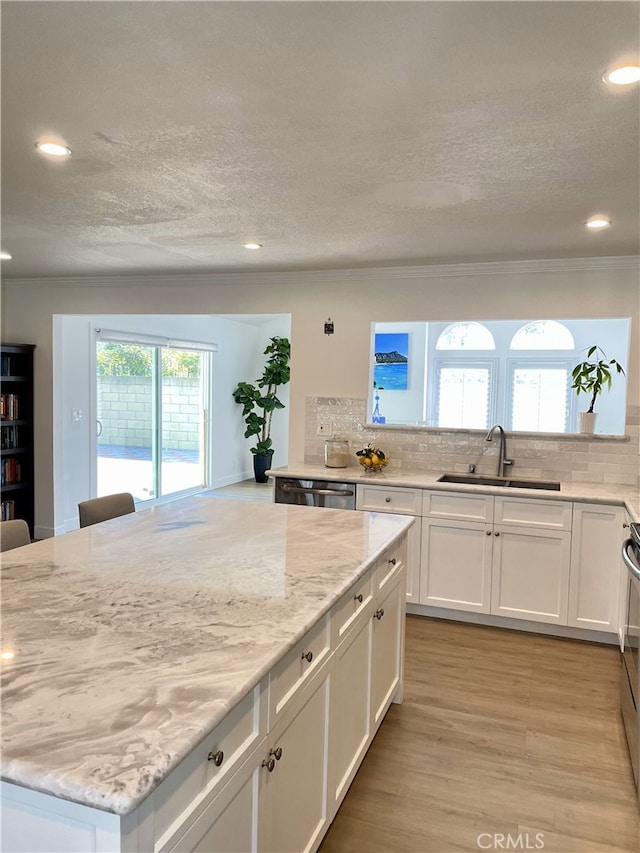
(16, 432)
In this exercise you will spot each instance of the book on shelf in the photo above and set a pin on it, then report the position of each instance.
(10, 471)
(9, 407)
(7, 510)
(10, 437)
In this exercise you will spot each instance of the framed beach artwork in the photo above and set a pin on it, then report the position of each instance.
(392, 359)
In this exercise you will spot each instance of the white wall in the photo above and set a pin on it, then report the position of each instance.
(322, 365)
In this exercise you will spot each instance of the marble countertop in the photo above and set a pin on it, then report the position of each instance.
(622, 495)
(124, 644)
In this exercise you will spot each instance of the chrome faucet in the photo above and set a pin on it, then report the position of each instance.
(502, 449)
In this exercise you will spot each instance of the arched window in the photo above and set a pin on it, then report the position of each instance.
(465, 336)
(543, 334)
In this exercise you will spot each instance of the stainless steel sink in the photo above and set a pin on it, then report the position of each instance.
(477, 480)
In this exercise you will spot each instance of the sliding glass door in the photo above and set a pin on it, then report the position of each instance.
(151, 419)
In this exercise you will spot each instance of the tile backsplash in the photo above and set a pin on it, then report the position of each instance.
(574, 458)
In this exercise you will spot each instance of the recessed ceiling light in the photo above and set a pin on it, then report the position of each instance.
(53, 148)
(5, 256)
(597, 222)
(623, 76)
(253, 245)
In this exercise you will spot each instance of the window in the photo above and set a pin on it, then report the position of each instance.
(539, 397)
(543, 334)
(517, 373)
(151, 401)
(466, 336)
(464, 391)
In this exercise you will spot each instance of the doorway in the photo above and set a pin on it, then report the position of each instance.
(152, 404)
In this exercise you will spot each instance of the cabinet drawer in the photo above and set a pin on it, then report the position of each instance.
(297, 666)
(550, 515)
(207, 768)
(387, 499)
(389, 565)
(351, 606)
(466, 507)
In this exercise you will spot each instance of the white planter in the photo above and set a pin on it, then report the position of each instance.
(588, 422)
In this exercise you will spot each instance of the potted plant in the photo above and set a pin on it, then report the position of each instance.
(592, 376)
(259, 401)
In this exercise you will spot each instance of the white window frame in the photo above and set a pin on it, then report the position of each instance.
(463, 359)
(540, 362)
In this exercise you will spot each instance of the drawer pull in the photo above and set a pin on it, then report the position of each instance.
(379, 613)
(269, 764)
(359, 597)
(308, 656)
(388, 500)
(393, 561)
(277, 753)
(216, 757)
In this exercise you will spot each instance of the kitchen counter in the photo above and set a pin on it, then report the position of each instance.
(622, 495)
(126, 643)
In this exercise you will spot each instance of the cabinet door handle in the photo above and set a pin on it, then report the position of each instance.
(277, 753)
(358, 597)
(387, 500)
(379, 613)
(393, 561)
(497, 533)
(216, 757)
(488, 532)
(308, 656)
(269, 764)
(624, 525)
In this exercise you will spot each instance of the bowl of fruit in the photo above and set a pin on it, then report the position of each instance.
(372, 458)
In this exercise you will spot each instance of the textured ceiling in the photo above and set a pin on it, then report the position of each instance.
(337, 134)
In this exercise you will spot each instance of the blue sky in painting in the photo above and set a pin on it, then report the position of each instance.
(387, 342)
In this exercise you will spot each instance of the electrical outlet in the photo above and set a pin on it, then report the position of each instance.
(325, 429)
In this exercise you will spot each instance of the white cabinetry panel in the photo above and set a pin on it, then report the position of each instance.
(594, 594)
(456, 558)
(531, 574)
(350, 709)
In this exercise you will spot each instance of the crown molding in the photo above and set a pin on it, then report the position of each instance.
(340, 276)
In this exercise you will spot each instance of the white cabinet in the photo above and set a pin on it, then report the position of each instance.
(350, 707)
(196, 793)
(594, 593)
(293, 795)
(623, 583)
(375, 498)
(499, 555)
(456, 560)
(387, 651)
(229, 824)
(530, 577)
(368, 665)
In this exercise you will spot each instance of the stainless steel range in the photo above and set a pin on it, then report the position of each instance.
(630, 675)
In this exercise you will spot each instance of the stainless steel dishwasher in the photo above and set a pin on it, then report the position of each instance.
(323, 493)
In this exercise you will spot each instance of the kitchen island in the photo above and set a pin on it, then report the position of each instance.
(127, 644)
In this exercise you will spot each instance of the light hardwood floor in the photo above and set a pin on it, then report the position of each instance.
(500, 732)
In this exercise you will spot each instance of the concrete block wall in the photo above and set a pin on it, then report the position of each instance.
(570, 457)
(125, 408)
